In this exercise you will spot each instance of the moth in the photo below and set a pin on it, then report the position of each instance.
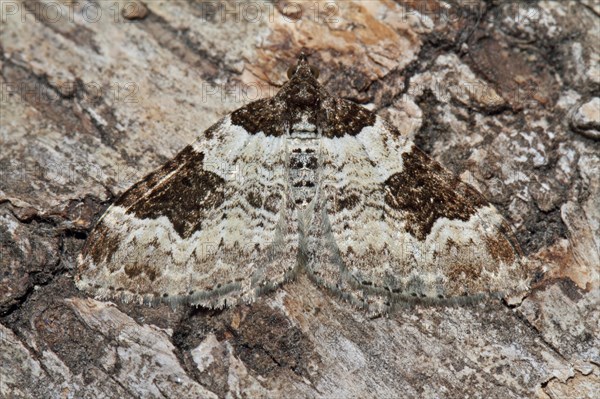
(302, 182)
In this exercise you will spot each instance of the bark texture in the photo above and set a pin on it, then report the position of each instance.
(97, 94)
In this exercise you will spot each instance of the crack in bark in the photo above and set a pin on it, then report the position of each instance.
(58, 111)
(539, 334)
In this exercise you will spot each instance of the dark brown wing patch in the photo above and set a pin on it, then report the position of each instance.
(345, 118)
(184, 198)
(425, 192)
(265, 116)
(303, 99)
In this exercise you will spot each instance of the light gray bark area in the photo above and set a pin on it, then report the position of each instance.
(96, 95)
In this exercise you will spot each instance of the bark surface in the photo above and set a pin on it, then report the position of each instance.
(97, 94)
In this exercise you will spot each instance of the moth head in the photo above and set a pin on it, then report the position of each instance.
(302, 67)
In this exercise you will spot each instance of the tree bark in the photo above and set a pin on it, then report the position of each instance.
(96, 95)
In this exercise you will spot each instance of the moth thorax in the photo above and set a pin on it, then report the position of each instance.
(304, 125)
(303, 167)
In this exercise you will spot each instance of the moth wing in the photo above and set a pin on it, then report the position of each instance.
(391, 224)
(212, 226)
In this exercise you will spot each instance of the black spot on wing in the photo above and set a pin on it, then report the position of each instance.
(184, 197)
(273, 202)
(348, 201)
(425, 192)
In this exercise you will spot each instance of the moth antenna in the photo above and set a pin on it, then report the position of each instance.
(302, 63)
